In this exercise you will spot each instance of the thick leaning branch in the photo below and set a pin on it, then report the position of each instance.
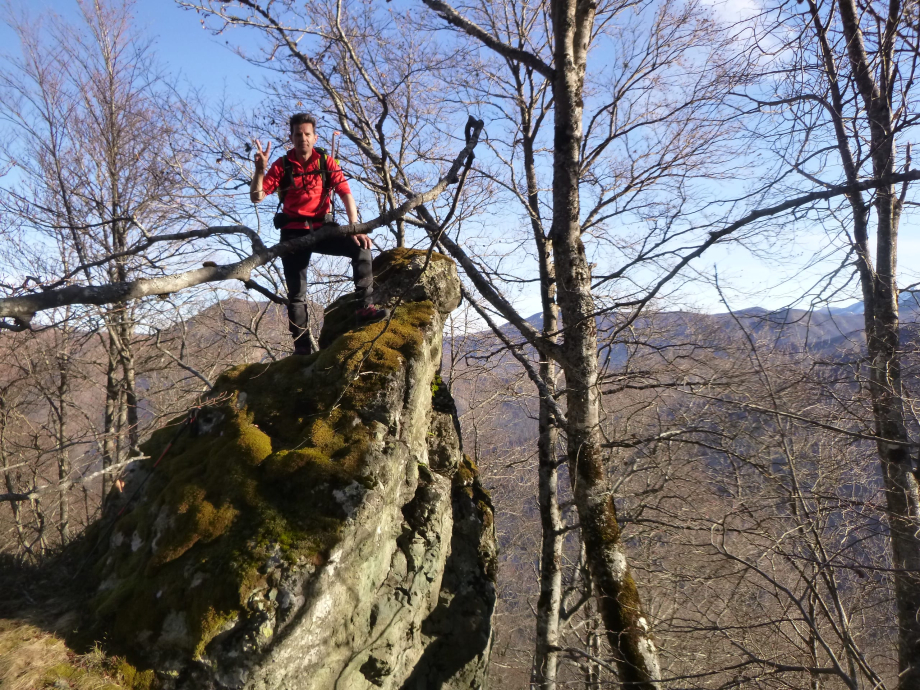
(151, 240)
(544, 345)
(23, 308)
(451, 16)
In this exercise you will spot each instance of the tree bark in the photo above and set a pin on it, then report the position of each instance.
(10, 480)
(130, 429)
(593, 640)
(110, 423)
(63, 361)
(618, 600)
(549, 604)
(38, 515)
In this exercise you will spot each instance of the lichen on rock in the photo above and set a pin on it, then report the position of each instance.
(296, 530)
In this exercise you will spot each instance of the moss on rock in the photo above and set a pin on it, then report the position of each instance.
(256, 480)
(402, 277)
(478, 501)
(400, 259)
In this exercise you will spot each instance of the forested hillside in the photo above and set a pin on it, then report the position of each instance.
(703, 446)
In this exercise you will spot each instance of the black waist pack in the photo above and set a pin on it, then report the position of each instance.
(282, 219)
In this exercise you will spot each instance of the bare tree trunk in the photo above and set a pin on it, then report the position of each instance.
(617, 596)
(550, 602)
(885, 386)
(110, 425)
(126, 353)
(121, 421)
(10, 480)
(63, 453)
(593, 646)
(901, 489)
(38, 514)
(815, 679)
(88, 516)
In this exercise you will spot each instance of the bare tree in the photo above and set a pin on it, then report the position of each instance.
(769, 527)
(540, 64)
(91, 132)
(848, 116)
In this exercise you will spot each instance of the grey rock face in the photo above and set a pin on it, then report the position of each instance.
(413, 276)
(457, 635)
(405, 596)
(406, 601)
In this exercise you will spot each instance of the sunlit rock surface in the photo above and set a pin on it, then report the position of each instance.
(318, 526)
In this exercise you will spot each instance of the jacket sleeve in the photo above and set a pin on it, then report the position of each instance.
(273, 176)
(337, 178)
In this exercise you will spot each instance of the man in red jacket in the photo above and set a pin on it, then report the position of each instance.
(305, 179)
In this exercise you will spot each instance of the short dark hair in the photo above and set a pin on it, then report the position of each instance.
(298, 119)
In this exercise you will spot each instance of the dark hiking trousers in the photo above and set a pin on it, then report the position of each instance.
(295, 274)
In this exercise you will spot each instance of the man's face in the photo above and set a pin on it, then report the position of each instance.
(303, 137)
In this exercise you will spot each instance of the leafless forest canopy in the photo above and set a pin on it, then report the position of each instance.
(687, 495)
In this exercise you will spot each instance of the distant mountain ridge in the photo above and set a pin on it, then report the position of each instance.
(814, 329)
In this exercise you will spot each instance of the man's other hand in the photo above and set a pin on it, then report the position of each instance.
(362, 241)
(261, 157)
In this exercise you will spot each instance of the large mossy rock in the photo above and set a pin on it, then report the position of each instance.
(318, 525)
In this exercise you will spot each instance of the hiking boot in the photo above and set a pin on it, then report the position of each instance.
(371, 314)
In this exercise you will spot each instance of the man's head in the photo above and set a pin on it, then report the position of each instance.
(303, 134)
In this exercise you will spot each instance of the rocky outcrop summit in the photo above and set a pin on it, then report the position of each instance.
(317, 526)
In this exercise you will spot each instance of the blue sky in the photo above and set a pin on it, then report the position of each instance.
(188, 49)
(208, 62)
(182, 45)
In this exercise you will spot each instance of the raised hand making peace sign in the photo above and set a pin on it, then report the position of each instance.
(261, 157)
